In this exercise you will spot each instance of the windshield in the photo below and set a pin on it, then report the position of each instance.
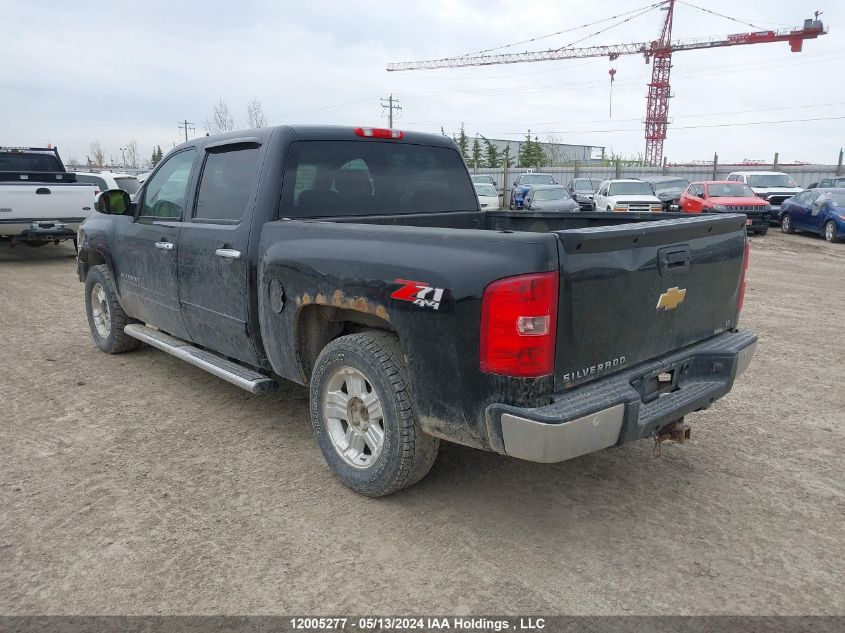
(129, 184)
(730, 190)
(630, 188)
(584, 184)
(671, 184)
(551, 194)
(486, 190)
(536, 179)
(771, 180)
(482, 178)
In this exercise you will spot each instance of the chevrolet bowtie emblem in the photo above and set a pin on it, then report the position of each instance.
(671, 299)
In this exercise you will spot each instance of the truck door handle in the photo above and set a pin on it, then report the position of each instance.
(228, 253)
(167, 246)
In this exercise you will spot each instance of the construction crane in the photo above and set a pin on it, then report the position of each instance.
(657, 52)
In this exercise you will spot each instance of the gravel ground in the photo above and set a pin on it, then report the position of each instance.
(137, 484)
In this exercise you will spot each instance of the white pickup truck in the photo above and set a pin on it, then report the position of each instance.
(40, 201)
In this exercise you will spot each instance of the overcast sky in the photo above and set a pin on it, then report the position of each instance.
(73, 72)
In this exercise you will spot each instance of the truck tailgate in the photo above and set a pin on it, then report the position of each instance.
(26, 202)
(629, 293)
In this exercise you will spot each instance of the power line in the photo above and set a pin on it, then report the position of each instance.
(391, 105)
(683, 116)
(690, 127)
(186, 125)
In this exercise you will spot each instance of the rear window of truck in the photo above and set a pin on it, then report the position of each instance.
(29, 161)
(338, 178)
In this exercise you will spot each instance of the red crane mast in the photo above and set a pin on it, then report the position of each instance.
(657, 52)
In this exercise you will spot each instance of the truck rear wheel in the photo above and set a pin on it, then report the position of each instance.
(364, 418)
(106, 317)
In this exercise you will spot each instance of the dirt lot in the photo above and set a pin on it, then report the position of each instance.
(138, 484)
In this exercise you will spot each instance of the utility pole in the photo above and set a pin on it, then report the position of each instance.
(390, 105)
(123, 156)
(186, 125)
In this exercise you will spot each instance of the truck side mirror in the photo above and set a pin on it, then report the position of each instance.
(113, 202)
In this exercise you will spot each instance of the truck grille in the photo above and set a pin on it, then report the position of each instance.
(776, 200)
(638, 206)
(745, 208)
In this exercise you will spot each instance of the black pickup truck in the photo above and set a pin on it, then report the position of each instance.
(357, 261)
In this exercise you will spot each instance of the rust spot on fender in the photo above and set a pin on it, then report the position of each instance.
(339, 299)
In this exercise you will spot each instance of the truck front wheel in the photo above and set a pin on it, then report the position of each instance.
(364, 418)
(106, 317)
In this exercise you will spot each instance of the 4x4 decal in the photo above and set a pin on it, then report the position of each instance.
(419, 293)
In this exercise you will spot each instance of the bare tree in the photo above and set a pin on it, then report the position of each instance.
(97, 155)
(255, 114)
(221, 119)
(557, 156)
(132, 154)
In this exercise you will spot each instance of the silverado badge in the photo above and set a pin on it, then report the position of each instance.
(671, 299)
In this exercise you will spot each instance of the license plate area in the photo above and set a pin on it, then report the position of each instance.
(748, 221)
(660, 382)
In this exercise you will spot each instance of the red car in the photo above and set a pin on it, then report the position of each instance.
(722, 196)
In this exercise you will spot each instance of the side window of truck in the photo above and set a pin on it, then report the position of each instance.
(167, 191)
(226, 184)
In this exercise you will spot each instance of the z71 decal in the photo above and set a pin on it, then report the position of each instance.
(419, 293)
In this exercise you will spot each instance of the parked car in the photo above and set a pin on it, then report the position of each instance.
(668, 190)
(820, 211)
(630, 194)
(488, 196)
(828, 183)
(483, 179)
(722, 196)
(40, 201)
(523, 183)
(142, 177)
(106, 180)
(772, 186)
(412, 315)
(548, 198)
(582, 190)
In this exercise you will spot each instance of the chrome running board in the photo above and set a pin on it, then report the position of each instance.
(238, 375)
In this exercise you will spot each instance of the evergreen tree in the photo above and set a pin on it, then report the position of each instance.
(492, 155)
(477, 158)
(505, 159)
(531, 153)
(463, 142)
(157, 156)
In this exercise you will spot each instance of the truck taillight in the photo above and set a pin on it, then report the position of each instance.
(743, 281)
(518, 325)
(379, 132)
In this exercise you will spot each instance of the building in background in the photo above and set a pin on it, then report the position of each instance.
(559, 154)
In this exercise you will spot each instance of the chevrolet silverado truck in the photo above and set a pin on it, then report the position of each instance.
(357, 261)
(40, 201)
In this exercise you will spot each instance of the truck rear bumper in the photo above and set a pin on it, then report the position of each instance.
(41, 230)
(627, 406)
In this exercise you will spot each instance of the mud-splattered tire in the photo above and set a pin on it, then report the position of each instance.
(379, 447)
(829, 232)
(786, 224)
(106, 317)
